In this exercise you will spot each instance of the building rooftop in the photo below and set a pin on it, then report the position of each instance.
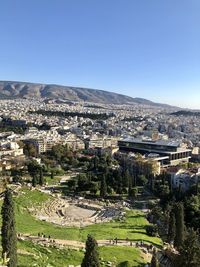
(156, 142)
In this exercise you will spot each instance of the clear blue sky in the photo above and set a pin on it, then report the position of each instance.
(141, 48)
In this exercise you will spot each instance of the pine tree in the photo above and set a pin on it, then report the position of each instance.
(9, 238)
(180, 225)
(91, 258)
(171, 227)
(103, 189)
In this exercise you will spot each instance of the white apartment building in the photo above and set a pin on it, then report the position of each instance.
(10, 149)
(184, 179)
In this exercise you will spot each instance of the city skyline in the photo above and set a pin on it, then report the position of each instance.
(147, 50)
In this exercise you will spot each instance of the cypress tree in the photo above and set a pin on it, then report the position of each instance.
(126, 178)
(91, 258)
(96, 163)
(154, 260)
(180, 225)
(171, 227)
(197, 187)
(130, 184)
(9, 238)
(41, 178)
(34, 181)
(190, 251)
(103, 189)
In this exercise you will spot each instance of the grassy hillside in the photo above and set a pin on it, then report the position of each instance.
(36, 255)
(132, 227)
(31, 254)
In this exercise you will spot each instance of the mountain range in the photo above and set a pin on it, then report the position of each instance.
(15, 89)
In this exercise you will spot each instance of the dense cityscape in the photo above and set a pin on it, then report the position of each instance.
(73, 166)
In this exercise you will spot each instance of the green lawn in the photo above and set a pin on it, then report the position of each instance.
(36, 255)
(132, 227)
(30, 254)
(119, 255)
(54, 181)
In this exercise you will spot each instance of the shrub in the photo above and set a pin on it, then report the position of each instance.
(152, 230)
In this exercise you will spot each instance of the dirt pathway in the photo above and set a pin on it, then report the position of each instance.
(60, 243)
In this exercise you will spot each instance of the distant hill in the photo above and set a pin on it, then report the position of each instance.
(186, 113)
(13, 89)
